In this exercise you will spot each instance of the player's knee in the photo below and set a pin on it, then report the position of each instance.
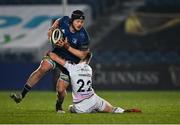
(62, 86)
(62, 91)
(71, 109)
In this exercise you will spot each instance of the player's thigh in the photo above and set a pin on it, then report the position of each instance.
(86, 106)
(78, 108)
(46, 64)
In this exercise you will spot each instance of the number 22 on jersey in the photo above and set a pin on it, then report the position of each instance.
(84, 86)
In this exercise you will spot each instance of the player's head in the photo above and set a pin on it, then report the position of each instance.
(77, 19)
(88, 57)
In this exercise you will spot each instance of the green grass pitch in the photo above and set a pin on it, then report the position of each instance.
(158, 107)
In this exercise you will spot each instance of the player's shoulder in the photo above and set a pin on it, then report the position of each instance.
(83, 33)
(65, 20)
(88, 67)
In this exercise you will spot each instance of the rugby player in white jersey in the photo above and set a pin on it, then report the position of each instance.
(85, 99)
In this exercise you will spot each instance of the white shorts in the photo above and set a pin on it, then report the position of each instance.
(92, 104)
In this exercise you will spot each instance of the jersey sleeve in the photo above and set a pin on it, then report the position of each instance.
(84, 44)
(63, 21)
(68, 66)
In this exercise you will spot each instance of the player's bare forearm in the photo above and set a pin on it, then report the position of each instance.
(56, 58)
(78, 53)
(60, 61)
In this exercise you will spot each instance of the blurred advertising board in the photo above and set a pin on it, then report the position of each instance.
(23, 29)
(137, 77)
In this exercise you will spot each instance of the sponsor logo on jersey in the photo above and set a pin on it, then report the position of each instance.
(88, 75)
(74, 40)
(63, 30)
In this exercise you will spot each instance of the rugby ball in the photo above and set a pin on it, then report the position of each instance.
(56, 35)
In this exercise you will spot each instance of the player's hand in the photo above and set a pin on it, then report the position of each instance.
(60, 43)
(66, 43)
(50, 32)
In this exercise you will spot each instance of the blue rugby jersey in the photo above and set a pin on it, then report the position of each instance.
(78, 40)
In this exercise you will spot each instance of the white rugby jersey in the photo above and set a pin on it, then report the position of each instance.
(81, 80)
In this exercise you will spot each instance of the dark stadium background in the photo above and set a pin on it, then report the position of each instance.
(135, 45)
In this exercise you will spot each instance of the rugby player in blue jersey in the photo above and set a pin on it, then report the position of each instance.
(75, 49)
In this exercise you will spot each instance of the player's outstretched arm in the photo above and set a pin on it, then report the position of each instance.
(56, 58)
(76, 52)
